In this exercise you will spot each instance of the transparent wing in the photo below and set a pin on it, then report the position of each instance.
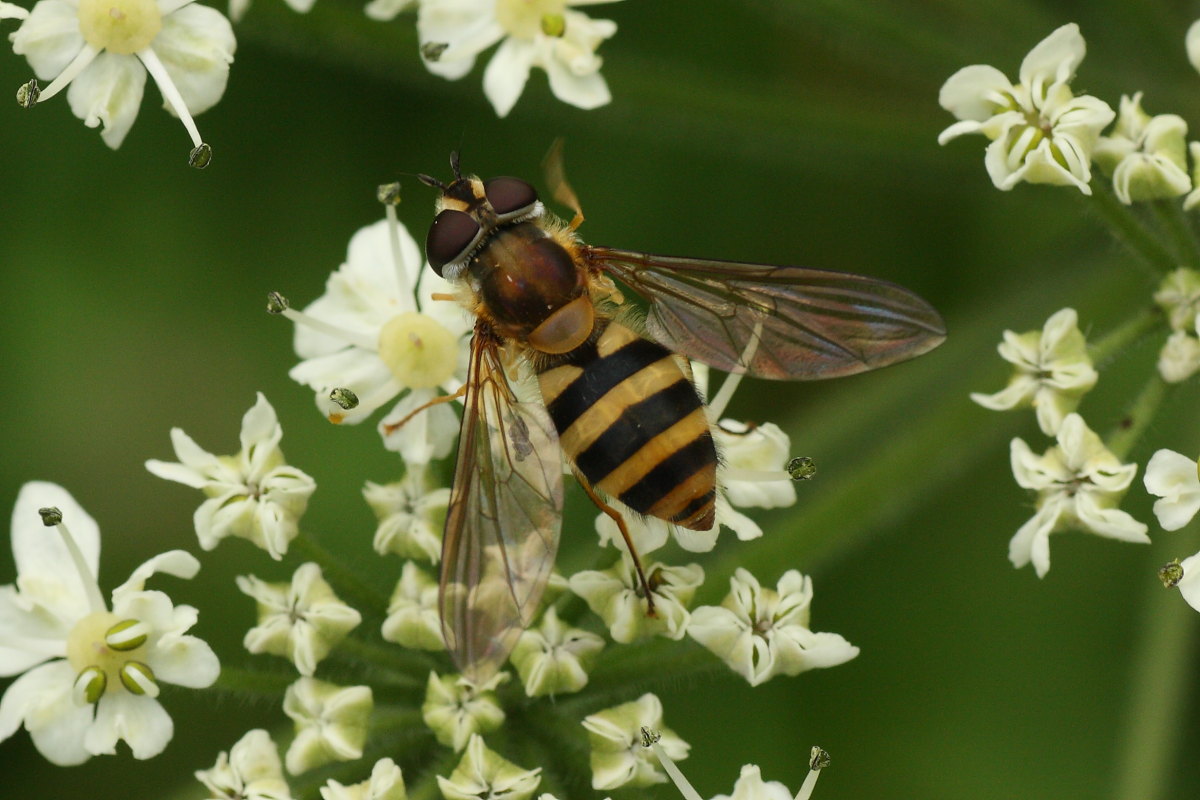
(504, 519)
(783, 323)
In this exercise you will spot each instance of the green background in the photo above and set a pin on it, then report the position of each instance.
(781, 132)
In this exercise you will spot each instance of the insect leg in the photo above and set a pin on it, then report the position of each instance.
(617, 518)
(556, 180)
(443, 398)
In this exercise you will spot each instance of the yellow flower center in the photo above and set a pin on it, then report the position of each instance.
(418, 350)
(525, 19)
(88, 647)
(119, 26)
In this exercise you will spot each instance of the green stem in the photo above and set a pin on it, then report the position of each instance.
(1163, 672)
(253, 682)
(1125, 334)
(346, 580)
(1174, 220)
(1129, 229)
(406, 668)
(1139, 416)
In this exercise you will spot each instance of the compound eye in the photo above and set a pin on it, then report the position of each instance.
(449, 237)
(509, 195)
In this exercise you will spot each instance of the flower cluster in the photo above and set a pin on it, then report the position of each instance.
(366, 672)
(1042, 132)
(102, 50)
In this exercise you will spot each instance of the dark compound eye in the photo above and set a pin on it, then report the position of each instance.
(509, 195)
(449, 237)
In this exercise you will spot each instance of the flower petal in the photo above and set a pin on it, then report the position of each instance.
(507, 73)
(196, 45)
(140, 721)
(49, 38)
(109, 91)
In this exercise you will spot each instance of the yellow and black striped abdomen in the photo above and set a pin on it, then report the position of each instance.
(631, 423)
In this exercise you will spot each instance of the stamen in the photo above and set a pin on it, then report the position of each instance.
(52, 517)
(77, 65)
(407, 291)
(165, 85)
(89, 686)
(28, 94)
(374, 400)
(344, 398)
(138, 678)
(127, 635)
(347, 336)
(818, 760)
(650, 739)
(1171, 574)
(729, 386)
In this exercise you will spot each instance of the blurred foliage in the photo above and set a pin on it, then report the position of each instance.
(781, 132)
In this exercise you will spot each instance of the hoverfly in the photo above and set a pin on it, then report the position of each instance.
(615, 398)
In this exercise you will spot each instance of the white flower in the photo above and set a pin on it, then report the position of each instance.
(411, 515)
(618, 756)
(104, 48)
(616, 596)
(251, 771)
(554, 658)
(483, 773)
(1179, 297)
(1145, 155)
(413, 618)
(1053, 372)
(375, 333)
(90, 675)
(1079, 485)
(254, 495)
(1040, 131)
(753, 459)
(762, 633)
(1179, 358)
(331, 722)
(302, 620)
(1173, 477)
(535, 33)
(456, 709)
(386, 783)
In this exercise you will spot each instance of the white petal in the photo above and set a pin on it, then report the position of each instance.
(971, 94)
(1055, 58)
(38, 550)
(507, 73)
(196, 45)
(49, 38)
(109, 91)
(1112, 523)
(430, 434)
(41, 700)
(1020, 390)
(260, 425)
(140, 721)
(1189, 587)
(179, 563)
(1169, 474)
(188, 661)
(1032, 540)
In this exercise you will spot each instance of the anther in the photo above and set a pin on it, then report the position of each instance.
(801, 468)
(818, 759)
(50, 516)
(127, 635)
(432, 51)
(89, 686)
(138, 678)
(201, 156)
(1171, 574)
(28, 93)
(554, 25)
(388, 193)
(344, 398)
(277, 303)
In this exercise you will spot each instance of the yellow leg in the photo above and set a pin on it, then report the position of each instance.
(647, 592)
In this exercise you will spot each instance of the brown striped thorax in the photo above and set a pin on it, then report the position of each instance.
(616, 398)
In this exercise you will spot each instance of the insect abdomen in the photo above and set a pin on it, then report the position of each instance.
(633, 426)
